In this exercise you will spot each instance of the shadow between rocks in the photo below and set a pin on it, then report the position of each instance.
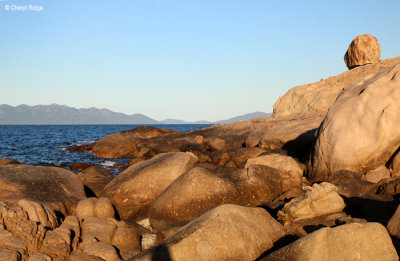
(89, 193)
(284, 241)
(396, 244)
(301, 146)
(161, 253)
(370, 209)
(272, 207)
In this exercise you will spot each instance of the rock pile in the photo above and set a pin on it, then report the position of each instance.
(319, 180)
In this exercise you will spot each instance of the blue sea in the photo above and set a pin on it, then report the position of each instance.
(45, 145)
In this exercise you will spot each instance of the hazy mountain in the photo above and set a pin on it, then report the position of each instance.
(175, 121)
(245, 117)
(201, 122)
(61, 114)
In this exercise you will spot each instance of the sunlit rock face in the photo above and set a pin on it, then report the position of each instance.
(364, 49)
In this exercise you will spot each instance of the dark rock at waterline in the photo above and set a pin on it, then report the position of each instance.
(81, 148)
(123, 144)
(5, 161)
(79, 166)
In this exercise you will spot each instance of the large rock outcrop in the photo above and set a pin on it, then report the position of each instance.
(57, 188)
(369, 241)
(317, 97)
(149, 141)
(228, 232)
(364, 49)
(359, 133)
(133, 190)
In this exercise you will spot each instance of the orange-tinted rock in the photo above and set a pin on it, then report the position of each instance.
(79, 166)
(202, 156)
(95, 178)
(5, 161)
(94, 207)
(190, 196)
(84, 257)
(227, 232)
(291, 174)
(364, 49)
(369, 241)
(103, 250)
(136, 160)
(257, 184)
(206, 165)
(242, 155)
(18, 223)
(57, 188)
(133, 190)
(123, 144)
(81, 148)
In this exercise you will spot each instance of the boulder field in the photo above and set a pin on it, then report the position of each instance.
(318, 180)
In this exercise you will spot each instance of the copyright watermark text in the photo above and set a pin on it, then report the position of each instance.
(23, 8)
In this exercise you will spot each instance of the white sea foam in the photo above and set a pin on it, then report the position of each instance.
(108, 163)
(84, 142)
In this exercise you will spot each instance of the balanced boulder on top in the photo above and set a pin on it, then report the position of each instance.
(364, 49)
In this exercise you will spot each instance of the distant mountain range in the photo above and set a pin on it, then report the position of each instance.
(61, 114)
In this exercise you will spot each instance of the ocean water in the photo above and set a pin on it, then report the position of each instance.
(45, 145)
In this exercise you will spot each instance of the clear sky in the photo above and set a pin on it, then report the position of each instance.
(190, 60)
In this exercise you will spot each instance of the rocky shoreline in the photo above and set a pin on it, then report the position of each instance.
(319, 180)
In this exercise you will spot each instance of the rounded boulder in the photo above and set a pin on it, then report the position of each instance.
(134, 189)
(364, 49)
(57, 188)
(190, 196)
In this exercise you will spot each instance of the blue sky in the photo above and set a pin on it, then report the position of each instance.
(191, 60)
